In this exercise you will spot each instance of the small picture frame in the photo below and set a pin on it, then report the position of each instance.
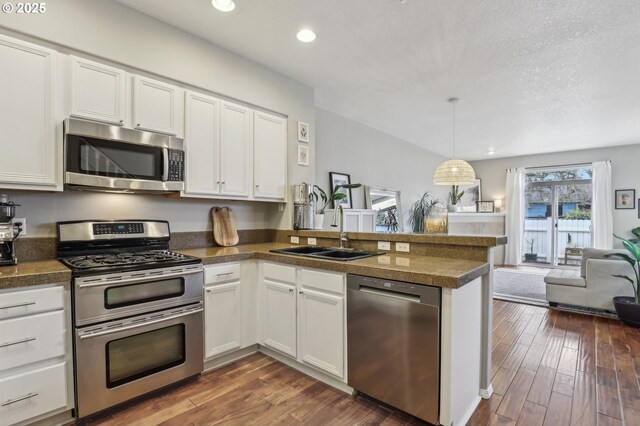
(303, 155)
(625, 199)
(485, 207)
(341, 179)
(472, 194)
(303, 132)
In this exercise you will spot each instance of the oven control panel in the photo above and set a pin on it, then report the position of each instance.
(118, 228)
(176, 165)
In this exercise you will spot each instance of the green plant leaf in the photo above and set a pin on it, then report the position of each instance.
(631, 247)
(636, 231)
(624, 277)
(339, 196)
(622, 256)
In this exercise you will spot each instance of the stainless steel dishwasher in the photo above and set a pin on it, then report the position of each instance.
(394, 343)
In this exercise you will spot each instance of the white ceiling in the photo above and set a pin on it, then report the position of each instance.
(532, 76)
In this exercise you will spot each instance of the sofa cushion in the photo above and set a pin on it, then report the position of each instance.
(569, 277)
(592, 253)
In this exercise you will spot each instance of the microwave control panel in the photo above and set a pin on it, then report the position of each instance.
(176, 165)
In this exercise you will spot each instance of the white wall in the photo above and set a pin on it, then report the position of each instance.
(625, 175)
(107, 30)
(373, 158)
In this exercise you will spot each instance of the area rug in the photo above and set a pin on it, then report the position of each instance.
(520, 286)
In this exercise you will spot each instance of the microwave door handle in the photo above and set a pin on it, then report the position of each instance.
(165, 164)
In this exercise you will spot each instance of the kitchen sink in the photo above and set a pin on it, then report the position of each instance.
(327, 253)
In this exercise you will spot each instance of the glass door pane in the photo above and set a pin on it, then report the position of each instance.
(573, 230)
(537, 244)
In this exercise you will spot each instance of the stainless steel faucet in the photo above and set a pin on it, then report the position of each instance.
(338, 216)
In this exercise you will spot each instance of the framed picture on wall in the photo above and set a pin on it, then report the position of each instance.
(625, 199)
(341, 179)
(303, 132)
(303, 155)
(472, 194)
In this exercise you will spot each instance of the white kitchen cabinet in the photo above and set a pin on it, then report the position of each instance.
(29, 116)
(321, 330)
(98, 91)
(157, 106)
(236, 135)
(355, 220)
(223, 318)
(279, 316)
(270, 156)
(202, 145)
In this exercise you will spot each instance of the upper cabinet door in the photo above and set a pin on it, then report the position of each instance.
(28, 116)
(236, 134)
(202, 145)
(157, 106)
(97, 91)
(270, 156)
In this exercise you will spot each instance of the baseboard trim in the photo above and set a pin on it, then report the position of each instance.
(229, 358)
(486, 393)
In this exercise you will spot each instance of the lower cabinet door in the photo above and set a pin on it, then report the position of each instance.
(321, 331)
(223, 318)
(279, 317)
(33, 393)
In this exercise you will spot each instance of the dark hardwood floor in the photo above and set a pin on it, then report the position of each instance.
(558, 368)
(549, 368)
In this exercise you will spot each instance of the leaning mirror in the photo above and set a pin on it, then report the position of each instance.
(386, 203)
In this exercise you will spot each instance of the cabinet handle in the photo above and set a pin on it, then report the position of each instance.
(22, 398)
(138, 125)
(301, 292)
(122, 121)
(224, 275)
(222, 182)
(257, 186)
(208, 290)
(17, 342)
(217, 182)
(290, 290)
(17, 305)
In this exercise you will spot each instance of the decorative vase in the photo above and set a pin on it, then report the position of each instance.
(437, 221)
(318, 219)
(451, 208)
(628, 310)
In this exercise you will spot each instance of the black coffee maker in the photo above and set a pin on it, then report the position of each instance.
(9, 231)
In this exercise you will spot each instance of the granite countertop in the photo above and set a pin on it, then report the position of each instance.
(26, 274)
(428, 270)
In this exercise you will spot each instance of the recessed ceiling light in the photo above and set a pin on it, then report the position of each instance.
(306, 35)
(491, 151)
(224, 5)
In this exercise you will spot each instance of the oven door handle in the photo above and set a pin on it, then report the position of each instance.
(126, 281)
(165, 164)
(141, 324)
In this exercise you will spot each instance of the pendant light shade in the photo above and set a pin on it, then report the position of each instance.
(454, 171)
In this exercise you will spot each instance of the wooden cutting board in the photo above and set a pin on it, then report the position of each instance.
(225, 232)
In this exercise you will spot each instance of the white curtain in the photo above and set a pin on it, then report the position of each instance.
(514, 202)
(602, 205)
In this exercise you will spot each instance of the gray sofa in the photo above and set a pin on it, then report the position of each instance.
(593, 286)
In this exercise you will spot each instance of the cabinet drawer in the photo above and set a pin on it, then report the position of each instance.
(33, 393)
(31, 339)
(16, 303)
(221, 273)
(282, 273)
(326, 281)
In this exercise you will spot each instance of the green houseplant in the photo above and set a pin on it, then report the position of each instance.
(420, 211)
(628, 307)
(318, 194)
(454, 197)
(531, 256)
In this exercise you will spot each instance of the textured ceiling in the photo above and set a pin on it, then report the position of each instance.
(532, 76)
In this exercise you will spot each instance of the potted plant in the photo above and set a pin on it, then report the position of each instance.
(569, 241)
(454, 196)
(628, 307)
(318, 194)
(420, 211)
(531, 256)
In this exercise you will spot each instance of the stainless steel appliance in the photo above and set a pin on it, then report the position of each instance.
(9, 231)
(137, 310)
(394, 343)
(105, 157)
(303, 207)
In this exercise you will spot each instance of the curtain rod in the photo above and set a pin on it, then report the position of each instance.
(558, 165)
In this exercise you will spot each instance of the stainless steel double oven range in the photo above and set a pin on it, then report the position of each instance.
(137, 310)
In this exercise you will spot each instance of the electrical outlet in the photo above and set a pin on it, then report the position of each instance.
(312, 241)
(22, 220)
(384, 245)
(402, 247)
(295, 240)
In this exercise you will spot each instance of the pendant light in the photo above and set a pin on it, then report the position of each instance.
(454, 171)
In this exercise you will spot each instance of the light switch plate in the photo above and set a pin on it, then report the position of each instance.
(312, 241)
(384, 245)
(295, 240)
(402, 247)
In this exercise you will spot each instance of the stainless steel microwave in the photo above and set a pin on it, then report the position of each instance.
(105, 157)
